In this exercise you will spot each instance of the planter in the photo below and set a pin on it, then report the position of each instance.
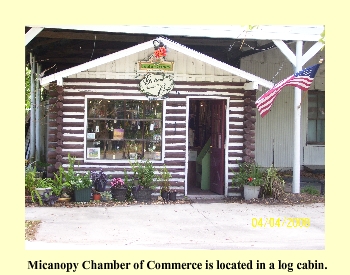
(251, 192)
(42, 190)
(82, 195)
(119, 194)
(97, 197)
(142, 195)
(172, 196)
(164, 195)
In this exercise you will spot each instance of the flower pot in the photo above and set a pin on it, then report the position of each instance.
(97, 197)
(119, 193)
(142, 195)
(251, 192)
(42, 190)
(82, 195)
(164, 195)
(172, 196)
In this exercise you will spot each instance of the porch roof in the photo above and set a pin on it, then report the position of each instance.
(147, 45)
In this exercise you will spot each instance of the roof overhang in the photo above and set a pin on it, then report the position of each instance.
(259, 32)
(147, 45)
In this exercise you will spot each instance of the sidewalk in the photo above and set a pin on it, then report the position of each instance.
(217, 226)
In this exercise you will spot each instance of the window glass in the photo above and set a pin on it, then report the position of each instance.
(316, 117)
(123, 129)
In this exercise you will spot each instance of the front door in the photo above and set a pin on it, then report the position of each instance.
(217, 156)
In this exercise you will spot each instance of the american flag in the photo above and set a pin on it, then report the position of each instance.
(301, 79)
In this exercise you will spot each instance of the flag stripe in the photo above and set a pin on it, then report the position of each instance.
(301, 80)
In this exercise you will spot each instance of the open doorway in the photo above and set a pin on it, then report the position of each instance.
(206, 146)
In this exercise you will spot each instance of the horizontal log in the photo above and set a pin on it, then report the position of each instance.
(173, 132)
(77, 109)
(174, 140)
(178, 125)
(73, 138)
(60, 113)
(59, 150)
(73, 101)
(59, 120)
(59, 105)
(236, 119)
(248, 108)
(72, 124)
(59, 135)
(249, 131)
(247, 100)
(175, 111)
(175, 155)
(175, 147)
(59, 158)
(58, 165)
(235, 154)
(176, 118)
(73, 146)
(52, 138)
(51, 154)
(237, 104)
(59, 89)
(60, 97)
(235, 133)
(235, 148)
(69, 131)
(176, 103)
(249, 137)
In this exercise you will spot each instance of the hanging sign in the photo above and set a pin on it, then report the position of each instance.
(167, 66)
(157, 85)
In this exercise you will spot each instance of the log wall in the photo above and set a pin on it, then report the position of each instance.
(66, 133)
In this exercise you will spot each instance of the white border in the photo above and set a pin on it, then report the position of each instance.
(121, 98)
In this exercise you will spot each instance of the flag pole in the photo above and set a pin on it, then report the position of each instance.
(297, 121)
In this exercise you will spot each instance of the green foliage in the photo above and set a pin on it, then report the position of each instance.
(27, 89)
(106, 195)
(311, 190)
(249, 173)
(145, 173)
(273, 183)
(164, 179)
(81, 181)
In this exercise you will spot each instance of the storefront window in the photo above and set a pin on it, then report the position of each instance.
(123, 129)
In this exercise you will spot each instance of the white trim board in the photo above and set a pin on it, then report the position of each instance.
(147, 45)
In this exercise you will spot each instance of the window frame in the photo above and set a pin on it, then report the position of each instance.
(107, 97)
(317, 93)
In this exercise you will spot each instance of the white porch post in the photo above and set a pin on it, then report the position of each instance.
(32, 108)
(37, 116)
(297, 121)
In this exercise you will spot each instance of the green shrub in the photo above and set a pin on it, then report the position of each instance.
(311, 190)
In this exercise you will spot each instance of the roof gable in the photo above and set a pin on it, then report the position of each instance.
(147, 45)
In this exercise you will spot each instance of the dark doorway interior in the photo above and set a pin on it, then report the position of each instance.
(200, 125)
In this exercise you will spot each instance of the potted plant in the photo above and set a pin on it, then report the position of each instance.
(44, 185)
(144, 172)
(96, 195)
(164, 177)
(106, 196)
(250, 176)
(99, 180)
(82, 187)
(118, 189)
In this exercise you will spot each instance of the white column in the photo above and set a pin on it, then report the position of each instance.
(297, 121)
(37, 116)
(32, 108)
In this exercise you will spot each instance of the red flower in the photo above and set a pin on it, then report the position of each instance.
(250, 179)
(160, 52)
